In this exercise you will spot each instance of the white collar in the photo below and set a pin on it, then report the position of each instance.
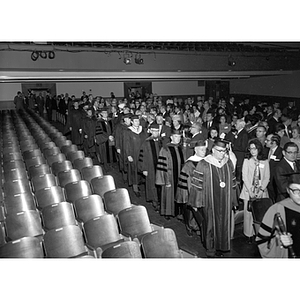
(212, 160)
(194, 158)
(138, 130)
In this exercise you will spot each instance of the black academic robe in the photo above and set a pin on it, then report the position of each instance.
(88, 132)
(74, 124)
(148, 159)
(106, 148)
(133, 141)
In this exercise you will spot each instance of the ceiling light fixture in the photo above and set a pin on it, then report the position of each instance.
(231, 61)
(34, 55)
(138, 59)
(43, 54)
(51, 55)
(127, 58)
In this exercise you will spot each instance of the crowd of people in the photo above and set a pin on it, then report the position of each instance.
(198, 158)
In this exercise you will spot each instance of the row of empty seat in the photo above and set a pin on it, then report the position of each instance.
(57, 203)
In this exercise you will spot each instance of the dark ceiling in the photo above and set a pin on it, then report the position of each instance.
(254, 47)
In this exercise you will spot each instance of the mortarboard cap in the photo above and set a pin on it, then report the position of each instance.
(293, 177)
(176, 131)
(221, 142)
(200, 143)
(154, 126)
(129, 115)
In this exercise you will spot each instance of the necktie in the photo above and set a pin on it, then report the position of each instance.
(295, 166)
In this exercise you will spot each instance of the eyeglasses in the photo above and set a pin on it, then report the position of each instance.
(292, 152)
(295, 191)
(221, 151)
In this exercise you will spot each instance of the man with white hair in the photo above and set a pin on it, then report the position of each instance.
(198, 133)
(184, 182)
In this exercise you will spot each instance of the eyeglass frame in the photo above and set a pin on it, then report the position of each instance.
(295, 191)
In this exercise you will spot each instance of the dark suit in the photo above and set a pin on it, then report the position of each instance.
(281, 181)
(165, 133)
(288, 132)
(273, 161)
(213, 124)
(239, 144)
(272, 125)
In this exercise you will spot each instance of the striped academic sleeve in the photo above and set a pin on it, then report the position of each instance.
(183, 180)
(197, 180)
(162, 164)
(141, 155)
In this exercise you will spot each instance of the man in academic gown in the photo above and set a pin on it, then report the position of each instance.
(170, 161)
(198, 133)
(121, 127)
(88, 132)
(213, 195)
(271, 241)
(133, 139)
(74, 124)
(147, 164)
(105, 140)
(184, 182)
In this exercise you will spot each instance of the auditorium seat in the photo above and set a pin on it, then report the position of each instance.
(50, 151)
(89, 207)
(75, 155)
(48, 196)
(134, 222)
(81, 163)
(160, 244)
(17, 186)
(42, 181)
(65, 149)
(103, 184)
(116, 200)
(11, 149)
(12, 156)
(13, 164)
(14, 174)
(60, 166)
(65, 242)
(76, 190)
(62, 141)
(68, 176)
(32, 153)
(126, 249)
(28, 145)
(102, 232)
(37, 160)
(26, 247)
(55, 158)
(22, 224)
(47, 145)
(88, 173)
(58, 215)
(19, 202)
(39, 170)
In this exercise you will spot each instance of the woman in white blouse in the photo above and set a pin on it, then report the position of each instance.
(256, 176)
